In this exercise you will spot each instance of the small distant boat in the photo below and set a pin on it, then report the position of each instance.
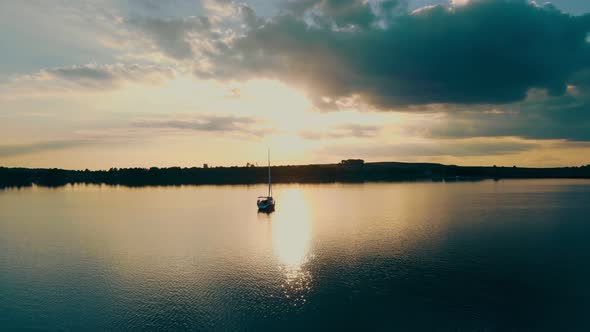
(267, 203)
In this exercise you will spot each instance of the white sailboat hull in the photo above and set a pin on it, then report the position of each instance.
(267, 203)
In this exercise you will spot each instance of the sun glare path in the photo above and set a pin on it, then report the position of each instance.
(291, 229)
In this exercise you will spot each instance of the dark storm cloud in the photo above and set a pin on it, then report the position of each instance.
(581, 79)
(484, 52)
(488, 52)
(343, 131)
(208, 123)
(104, 76)
(566, 117)
(462, 60)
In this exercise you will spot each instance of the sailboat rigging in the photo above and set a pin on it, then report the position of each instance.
(267, 203)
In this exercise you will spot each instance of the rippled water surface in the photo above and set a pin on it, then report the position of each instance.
(478, 256)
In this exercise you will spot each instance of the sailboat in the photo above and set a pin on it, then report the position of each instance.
(267, 203)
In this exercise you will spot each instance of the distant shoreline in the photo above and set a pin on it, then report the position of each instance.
(322, 173)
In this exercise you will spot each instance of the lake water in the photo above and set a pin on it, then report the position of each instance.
(471, 256)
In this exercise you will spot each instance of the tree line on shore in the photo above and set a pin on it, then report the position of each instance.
(343, 172)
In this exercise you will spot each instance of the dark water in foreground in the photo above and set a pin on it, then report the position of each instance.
(484, 256)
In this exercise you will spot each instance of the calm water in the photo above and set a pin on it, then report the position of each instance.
(483, 256)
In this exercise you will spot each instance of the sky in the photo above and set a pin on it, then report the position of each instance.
(139, 83)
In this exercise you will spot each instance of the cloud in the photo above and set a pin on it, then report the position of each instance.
(342, 131)
(476, 62)
(89, 76)
(158, 7)
(482, 52)
(109, 74)
(342, 13)
(23, 149)
(112, 73)
(459, 2)
(565, 117)
(82, 138)
(454, 148)
(209, 123)
(174, 36)
(463, 60)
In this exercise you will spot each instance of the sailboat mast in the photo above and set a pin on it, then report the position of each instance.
(269, 188)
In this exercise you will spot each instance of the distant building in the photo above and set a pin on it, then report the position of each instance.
(205, 166)
(352, 162)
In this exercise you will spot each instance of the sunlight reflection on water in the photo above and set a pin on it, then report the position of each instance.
(291, 229)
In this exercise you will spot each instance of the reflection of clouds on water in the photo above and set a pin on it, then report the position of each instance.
(291, 229)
